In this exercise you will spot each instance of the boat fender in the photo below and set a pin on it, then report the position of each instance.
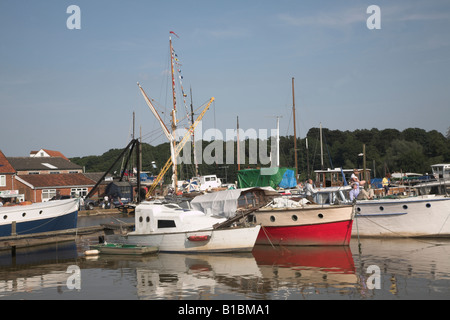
(199, 238)
(91, 252)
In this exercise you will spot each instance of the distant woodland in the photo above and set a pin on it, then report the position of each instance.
(388, 150)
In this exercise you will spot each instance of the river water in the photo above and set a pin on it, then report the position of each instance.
(394, 269)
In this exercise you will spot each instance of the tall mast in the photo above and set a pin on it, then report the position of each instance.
(238, 147)
(174, 119)
(321, 148)
(295, 133)
(193, 136)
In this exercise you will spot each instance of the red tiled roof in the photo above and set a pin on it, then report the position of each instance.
(5, 166)
(52, 153)
(57, 180)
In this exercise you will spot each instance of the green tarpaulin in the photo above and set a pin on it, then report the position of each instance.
(264, 177)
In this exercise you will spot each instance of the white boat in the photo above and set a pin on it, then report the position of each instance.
(421, 216)
(174, 229)
(38, 217)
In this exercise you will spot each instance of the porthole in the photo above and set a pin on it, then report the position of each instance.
(358, 209)
(5, 217)
(40, 212)
(294, 217)
(272, 218)
(140, 219)
(381, 208)
(24, 214)
(405, 206)
(428, 205)
(320, 215)
(147, 219)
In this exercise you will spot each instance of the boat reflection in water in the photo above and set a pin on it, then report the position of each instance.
(267, 273)
(199, 276)
(306, 269)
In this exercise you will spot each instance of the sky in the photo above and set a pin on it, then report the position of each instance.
(75, 90)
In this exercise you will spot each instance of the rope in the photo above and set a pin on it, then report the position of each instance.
(407, 237)
(268, 238)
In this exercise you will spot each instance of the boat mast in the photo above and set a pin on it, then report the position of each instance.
(174, 119)
(321, 147)
(295, 133)
(193, 136)
(238, 154)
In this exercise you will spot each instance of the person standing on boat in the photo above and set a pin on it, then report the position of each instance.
(385, 183)
(309, 190)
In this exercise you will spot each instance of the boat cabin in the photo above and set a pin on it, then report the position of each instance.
(441, 171)
(335, 177)
(159, 217)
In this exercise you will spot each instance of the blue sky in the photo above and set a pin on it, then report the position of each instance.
(75, 90)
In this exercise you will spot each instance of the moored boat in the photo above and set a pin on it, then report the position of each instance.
(283, 221)
(310, 225)
(117, 248)
(420, 216)
(174, 229)
(38, 217)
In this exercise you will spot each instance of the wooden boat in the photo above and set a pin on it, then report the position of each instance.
(283, 221)
(38, 217)
(118, 248)
(311, 225)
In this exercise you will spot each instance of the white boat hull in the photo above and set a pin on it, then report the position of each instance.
(423, 216)
(39, 217)
(218, 240)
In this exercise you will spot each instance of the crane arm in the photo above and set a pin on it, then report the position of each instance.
(178, 149)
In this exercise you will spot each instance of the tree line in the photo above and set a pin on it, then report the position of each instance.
(387, 150)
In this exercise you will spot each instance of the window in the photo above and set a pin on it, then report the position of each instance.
(2, 181)
(78, 192)
(166, 224)
(47, 194)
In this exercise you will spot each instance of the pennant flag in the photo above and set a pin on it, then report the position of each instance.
(174, 34)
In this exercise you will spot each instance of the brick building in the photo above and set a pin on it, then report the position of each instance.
(7, 181)
(41, 176)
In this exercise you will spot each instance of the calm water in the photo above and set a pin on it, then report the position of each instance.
(380, 269)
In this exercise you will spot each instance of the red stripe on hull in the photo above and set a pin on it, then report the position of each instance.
(327, 234)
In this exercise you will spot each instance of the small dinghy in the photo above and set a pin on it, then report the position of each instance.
(128, 249)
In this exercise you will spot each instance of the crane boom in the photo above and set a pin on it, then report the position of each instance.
(178, 149)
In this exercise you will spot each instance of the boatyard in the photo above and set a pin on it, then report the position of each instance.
(280, 152)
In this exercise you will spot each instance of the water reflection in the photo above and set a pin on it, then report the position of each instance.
(408, 269)
(289, 272)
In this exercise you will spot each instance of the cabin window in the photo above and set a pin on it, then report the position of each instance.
(166, 224)
(207, 179)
